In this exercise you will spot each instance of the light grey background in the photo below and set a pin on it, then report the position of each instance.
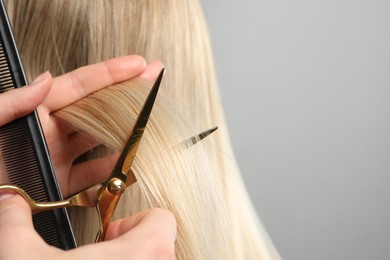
(305, 86)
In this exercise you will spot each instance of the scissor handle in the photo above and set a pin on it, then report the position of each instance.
(35, 206)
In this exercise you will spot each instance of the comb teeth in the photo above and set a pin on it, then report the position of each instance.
(13, 137)
(6, 82)
(48, 232)
(22, 170)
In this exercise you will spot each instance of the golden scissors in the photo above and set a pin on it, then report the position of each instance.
(105, 195)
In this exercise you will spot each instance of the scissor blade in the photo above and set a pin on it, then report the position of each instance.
(193, 140)
(122, 167)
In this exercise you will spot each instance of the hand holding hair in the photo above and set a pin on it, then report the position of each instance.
(65, 144)
(146, 235)
(149, 234)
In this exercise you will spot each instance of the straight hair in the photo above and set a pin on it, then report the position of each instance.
(201, 185)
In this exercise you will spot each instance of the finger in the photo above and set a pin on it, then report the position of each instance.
(121, 226)
(152, 233)
(79, 83)
(87, 174)
(14, 211)
(157, 221)
(22, 101)
(152, 70)
(147, 235)
(16, 226)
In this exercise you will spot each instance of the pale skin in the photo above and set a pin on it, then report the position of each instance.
(147, 235)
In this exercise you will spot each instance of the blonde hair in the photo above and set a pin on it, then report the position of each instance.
(201, 185)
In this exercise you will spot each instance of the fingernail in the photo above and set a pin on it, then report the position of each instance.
(6, 195)
(40, 78)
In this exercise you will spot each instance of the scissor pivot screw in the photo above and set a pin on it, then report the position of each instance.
(116, 186)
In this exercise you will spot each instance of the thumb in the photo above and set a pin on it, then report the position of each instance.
(16, 227)
(14, 211)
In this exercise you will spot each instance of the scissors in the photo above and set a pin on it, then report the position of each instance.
(105, 195)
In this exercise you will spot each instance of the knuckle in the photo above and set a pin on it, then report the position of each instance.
(164, 215)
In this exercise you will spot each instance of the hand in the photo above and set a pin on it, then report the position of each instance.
(48, 95)
(65, 145)
(148, 235)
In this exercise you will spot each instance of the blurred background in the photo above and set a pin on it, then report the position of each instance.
(306, 88)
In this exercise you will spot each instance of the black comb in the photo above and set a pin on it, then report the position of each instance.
(24, 150)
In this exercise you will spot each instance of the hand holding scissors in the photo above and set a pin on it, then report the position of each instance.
(105, 195)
